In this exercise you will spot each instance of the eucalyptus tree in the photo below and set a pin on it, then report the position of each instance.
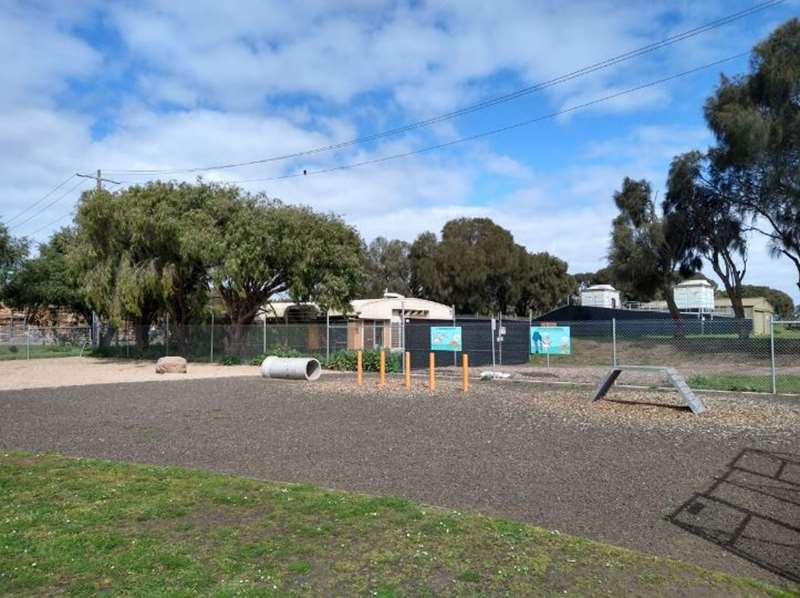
(649, 251)
(756, 120)
(698, 197)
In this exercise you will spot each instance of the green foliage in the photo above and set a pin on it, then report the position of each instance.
(346, 361)
(649, 253)
(265, 248)
(478, 268)
(697, 200)
(277, 351)
(756, 121)
(12, 256)
(48, 280)
(388, 268)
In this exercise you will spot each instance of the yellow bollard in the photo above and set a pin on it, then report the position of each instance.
(407, 368)
(383, 369)
(359, 368)
(465, 366)
(432, 372)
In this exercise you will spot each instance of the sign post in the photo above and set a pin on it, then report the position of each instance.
(548, 339)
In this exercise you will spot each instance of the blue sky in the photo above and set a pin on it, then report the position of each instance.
(162, 84)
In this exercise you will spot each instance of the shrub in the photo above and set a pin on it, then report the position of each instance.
(277, 352)
(345, 361)
(13, 348)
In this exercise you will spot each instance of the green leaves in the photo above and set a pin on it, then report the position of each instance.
(479, 268)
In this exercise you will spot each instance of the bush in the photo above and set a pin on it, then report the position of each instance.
(13, 348)
(277, 352)
(345, 361)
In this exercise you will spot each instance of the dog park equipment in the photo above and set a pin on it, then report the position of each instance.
(359, 368)
(291, 368)
(465, 372)
(671, 374)
(407, 369)
(432, 371)
(171, 365)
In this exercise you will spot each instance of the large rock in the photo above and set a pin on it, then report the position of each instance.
(171, 365)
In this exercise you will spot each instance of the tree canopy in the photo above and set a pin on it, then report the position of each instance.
(160, 248)
(47, 281)
(756, 121)
(697, 198)
(388, 268)
(479, 268)
(12, 255)
(648, 251)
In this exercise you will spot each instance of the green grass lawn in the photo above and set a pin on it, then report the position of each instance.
(744, 382)
(82, 527)
(39, 351)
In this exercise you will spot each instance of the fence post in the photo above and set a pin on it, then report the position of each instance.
(407, 369)
(359, 368)
(455, 354)
(383, 368)
(465, 367)
(212, 335)
(491, 333)
(431, 371)
(264, 350)
(772, 353)
(327, 335)
(166, 338)
(614, 341)
(27, 340)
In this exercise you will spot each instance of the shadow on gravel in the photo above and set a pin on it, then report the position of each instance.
(752, 511)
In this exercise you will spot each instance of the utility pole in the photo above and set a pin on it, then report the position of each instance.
(98, 178)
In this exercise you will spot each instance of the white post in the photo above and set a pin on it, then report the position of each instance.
(27, 340)
(327, 335)
(772, 353)
(264, 334)
(614, 341)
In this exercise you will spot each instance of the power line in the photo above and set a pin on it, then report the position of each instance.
(40, 200)
(483, 104)
(56, 200)
(503, 129)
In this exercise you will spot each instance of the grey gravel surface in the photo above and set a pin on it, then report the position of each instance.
(635, 473)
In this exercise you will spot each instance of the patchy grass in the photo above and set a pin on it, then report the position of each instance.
(743, 382)
(12, 352)
(82, 527)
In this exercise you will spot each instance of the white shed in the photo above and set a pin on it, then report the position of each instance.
(600, 295)
(694, 295)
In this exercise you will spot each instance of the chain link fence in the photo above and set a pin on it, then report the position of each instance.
(720, 354)
(21, 341)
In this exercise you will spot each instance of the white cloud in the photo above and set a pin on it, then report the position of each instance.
(251, 79)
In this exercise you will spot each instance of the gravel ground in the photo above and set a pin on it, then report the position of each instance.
(648, 476)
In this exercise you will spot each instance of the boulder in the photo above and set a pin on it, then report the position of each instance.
(171, 365)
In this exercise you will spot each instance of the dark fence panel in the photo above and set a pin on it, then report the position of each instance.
(476, 341)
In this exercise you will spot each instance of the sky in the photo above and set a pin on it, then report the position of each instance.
(176, 85)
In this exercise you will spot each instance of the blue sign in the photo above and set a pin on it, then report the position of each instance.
(550, 340)
(445, 338)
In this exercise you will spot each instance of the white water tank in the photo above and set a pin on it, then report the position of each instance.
(694, 295)
(600, 295)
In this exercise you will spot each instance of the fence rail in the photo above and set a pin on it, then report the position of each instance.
(712, 353)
